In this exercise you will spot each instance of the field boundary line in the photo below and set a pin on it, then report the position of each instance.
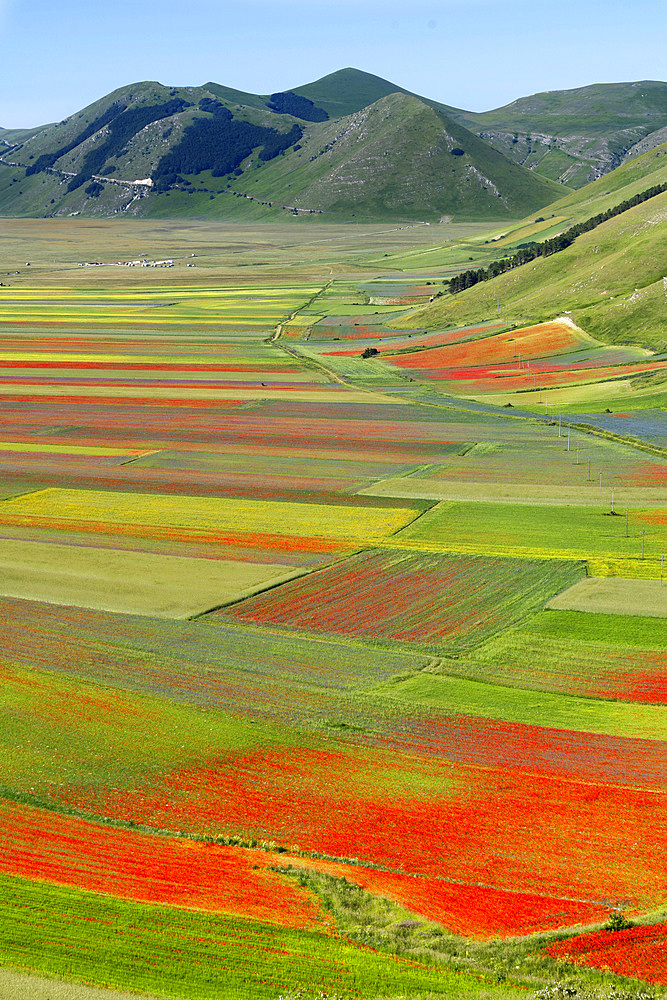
(272, 585)
(145, 454)
(651, 449)
(279, 326)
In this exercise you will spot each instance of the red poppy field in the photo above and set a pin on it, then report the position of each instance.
(364, 758)
(640, 952)
(284, 797)
(48, 847)
(416, 599)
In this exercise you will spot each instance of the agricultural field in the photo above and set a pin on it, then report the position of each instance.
(323, 675)
(637, 952)
(420, 599)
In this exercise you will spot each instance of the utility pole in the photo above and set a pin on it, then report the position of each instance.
(612, 499)
(559, 416)
(589, 470)
(568, 437)
(600, 482)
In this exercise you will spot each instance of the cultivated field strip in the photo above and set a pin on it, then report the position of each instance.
(162, 586)
(418, 599)
(205, 514)
(547, 532)
(579, 653)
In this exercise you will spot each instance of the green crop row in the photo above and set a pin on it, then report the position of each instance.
(178, 953)
(459, 695)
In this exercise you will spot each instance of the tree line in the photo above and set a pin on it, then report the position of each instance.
(289, 103)
(219, 143)
(120, 131)
(531, 251)
(47, 160)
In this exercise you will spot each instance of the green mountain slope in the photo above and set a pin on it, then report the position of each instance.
(398, 158)
(108, 157)
(238, 97)
(594, 110)
(610, 281)
(351, 145)
(634, 176)
(637, 174)
(574, 135)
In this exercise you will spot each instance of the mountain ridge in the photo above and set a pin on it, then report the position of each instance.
(574, 135)
(152, 149)
(147, 148)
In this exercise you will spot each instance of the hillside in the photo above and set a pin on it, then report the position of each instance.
(574, 135)
(633, 176)
(637, 174)
(113, 154)
(397, 158)
(610, 281)
(210, 151)
(350, 145)
(479, 249)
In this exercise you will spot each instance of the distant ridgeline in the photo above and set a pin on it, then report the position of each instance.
(219, 143)
(548, 247)
(300, 107)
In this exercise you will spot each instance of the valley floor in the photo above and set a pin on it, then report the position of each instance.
(333, 652)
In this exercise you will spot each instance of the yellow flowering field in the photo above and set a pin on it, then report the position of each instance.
(258, 306)
(208, 514)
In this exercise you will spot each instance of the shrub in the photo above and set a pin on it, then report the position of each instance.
(617, 922)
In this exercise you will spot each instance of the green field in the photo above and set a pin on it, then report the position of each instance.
(495, 701)
(572, 532)
(175, 952)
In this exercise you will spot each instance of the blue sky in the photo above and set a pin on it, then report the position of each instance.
(57, 56)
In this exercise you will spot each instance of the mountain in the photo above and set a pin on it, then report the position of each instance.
(572, 136)
(575, 136)
(398, 158)
(349, 145)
